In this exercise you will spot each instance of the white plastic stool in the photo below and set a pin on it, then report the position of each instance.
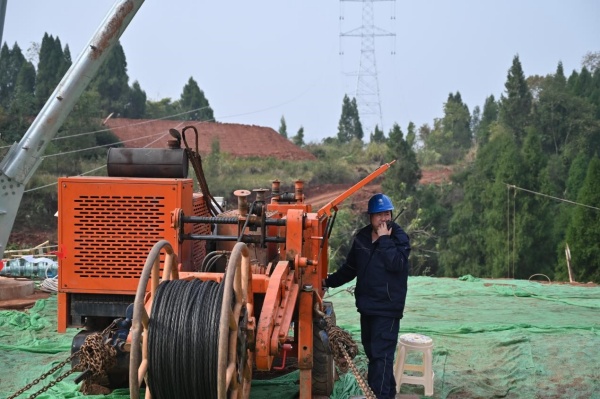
(415, 343)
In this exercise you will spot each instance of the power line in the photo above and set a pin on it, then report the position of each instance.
(146, 121)
(550, 196)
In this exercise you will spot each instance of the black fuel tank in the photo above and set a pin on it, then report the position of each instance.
(147, 162)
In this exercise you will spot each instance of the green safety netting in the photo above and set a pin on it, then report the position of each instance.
(492, 339)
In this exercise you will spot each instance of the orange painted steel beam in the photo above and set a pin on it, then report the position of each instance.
(294, 234)
(326, 210)
(276, 293)
(284, 313)
(63, 310)
(305, 343)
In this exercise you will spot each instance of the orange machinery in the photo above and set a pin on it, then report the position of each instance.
(124, 241)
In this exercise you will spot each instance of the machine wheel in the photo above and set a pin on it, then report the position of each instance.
(235, 325)
(323, 372)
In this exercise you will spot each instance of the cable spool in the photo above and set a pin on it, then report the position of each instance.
(192, 338)
(183, 336)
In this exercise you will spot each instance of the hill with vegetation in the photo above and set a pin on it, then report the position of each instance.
(525, 182)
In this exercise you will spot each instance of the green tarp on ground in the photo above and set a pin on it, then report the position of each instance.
(493, 339)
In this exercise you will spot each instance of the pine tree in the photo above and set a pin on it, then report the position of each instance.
(23, 104)
(377, 136)
(451, 136)
(405, 173)
(576, 177)
(595, 95)
(111, 82)
(534, 215)
(583, 85)
(462, 249)
(411, 135)
(52, 66)
(457, 122)
(488, 117)
(565, 121)
(283, 127)
(194, 99)
(583, 233)
(298, 139)
(136, 107)
(11, 62)
(475, 121)
(504, 164)
(515, 107)
(349, 126)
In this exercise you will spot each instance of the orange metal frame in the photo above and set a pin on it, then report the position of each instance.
(106, 228)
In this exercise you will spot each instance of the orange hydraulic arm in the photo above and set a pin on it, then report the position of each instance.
(326, 209)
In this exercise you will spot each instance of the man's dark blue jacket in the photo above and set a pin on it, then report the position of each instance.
(381, 271)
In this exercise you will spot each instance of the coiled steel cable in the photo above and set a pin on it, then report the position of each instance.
(183, 339)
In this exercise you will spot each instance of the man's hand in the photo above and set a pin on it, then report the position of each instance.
(382, 230)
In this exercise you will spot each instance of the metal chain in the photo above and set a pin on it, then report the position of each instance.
(43, 377)
(343, 354)
(95, 355)
(67, 360)
(359, 379)
(52, 383)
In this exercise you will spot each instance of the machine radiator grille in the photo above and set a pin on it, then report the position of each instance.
(114, 234)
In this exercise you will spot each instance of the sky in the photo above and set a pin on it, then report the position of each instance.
(259, 61)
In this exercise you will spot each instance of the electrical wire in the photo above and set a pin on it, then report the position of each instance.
(551, 197)
(49, 284)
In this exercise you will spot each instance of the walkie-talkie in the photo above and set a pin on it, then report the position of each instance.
(390, 222)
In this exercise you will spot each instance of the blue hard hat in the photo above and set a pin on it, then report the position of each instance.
(380, 203)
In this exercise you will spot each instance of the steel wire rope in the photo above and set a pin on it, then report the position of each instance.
(123, 126)
(183, 339)
(213, 261)
(212, 254)
(159, 135)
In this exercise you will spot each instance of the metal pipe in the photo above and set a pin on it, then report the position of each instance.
(251, 239)
(230, 220)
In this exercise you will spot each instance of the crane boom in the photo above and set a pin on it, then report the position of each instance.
(24, 157)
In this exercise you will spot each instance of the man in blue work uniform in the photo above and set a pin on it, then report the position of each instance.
(378, 259)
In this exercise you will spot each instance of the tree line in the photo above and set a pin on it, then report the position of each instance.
(525, 187)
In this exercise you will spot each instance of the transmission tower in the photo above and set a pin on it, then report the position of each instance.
(367, 85)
